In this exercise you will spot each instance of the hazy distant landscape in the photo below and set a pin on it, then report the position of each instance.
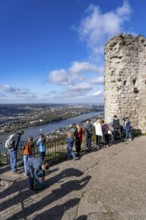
(20, 116)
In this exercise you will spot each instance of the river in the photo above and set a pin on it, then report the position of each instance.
(52, 126)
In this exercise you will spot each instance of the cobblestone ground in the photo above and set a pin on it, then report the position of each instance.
(109, 184)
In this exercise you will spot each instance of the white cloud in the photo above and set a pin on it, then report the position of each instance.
(81, 79)
(80, 87)
(124, 11)
(97, 80)
(97, 93)
(73, 74)
(81, 67)
(58, 76)
(17, 92)
(82, 95)
(97, 27)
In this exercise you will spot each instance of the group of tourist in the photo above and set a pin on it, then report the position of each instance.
(33, 166)
(29, 147)
(103, 132)
(13, 142)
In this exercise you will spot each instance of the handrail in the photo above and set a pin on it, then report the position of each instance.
(55, 150)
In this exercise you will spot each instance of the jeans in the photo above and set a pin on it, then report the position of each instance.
(98, 140)
(128, 134)
(88, 142)
(78, 147)
(25, 159)
(70, 153)
(13, 160)
(106, 139)
(42, 155)
(31, 182)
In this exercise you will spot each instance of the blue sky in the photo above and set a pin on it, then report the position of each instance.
(52, 51)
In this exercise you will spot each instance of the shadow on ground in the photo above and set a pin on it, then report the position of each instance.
(20, 194)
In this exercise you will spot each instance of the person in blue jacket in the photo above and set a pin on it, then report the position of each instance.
(41, 143)
(33, 166)
(127, 127)
(70, 143)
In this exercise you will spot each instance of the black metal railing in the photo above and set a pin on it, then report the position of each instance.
(55, 151)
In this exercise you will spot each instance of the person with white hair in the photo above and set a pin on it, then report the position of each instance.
(98, 132)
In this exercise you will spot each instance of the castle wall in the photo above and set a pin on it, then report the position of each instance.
(125, 79)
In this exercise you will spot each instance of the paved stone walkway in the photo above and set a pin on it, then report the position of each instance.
(109, 184)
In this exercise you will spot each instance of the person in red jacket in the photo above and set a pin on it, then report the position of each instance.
(78, 139)
(27, 152)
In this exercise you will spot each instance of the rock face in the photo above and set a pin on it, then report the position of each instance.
(125, 79)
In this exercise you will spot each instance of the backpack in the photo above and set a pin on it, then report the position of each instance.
(9, 144)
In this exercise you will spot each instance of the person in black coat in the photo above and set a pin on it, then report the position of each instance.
(116, 127)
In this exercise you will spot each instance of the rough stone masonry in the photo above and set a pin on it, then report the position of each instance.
(125, 79)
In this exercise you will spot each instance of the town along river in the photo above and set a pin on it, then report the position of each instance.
(52, 126)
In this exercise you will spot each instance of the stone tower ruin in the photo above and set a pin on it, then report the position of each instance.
(125, 79)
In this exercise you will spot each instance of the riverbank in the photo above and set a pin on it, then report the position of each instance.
(61, 127)
(52, 130)
(20, 117)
